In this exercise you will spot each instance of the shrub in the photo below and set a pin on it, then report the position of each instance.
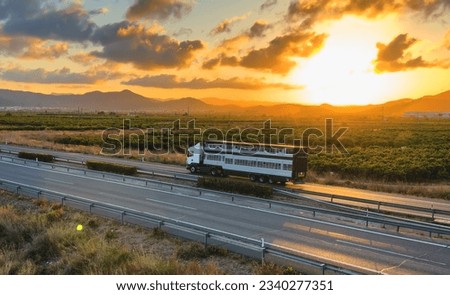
(110, 167)
(236, 186)
(34, 156)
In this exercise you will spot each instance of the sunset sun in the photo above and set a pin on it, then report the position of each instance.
(341, 73)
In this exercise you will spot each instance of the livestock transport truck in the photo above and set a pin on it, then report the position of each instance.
(258, 162)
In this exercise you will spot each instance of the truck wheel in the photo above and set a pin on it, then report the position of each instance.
(213, 172)
(193, 169)
(262, 179)
(271, 181)
(252, 177)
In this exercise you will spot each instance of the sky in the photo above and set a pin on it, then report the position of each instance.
(340, 52)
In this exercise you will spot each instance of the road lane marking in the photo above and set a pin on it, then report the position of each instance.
(171, 204)
(388, 235)
(389, 252)
(59, 181)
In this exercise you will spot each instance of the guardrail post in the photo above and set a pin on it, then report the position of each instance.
(270, 205)
(433, 211)
(207, 235)
(160, 224)
(332, 196)
(263, 251)
(379, 207)
(38, 194)
(62, 201)
(17, 189)
(122, 216)
(367, 217)
(199, 192)
(323, 266)
(91, 205)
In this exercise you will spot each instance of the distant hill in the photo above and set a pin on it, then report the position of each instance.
(123, 101)
(128, 101)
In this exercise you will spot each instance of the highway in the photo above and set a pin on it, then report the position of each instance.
(79, 157)
(340, 243)
(174, 169)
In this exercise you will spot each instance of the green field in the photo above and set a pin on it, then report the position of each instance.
(384, 149)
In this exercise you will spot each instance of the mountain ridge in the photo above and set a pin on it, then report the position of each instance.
(128, 101)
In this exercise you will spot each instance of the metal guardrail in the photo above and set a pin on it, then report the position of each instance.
(195, 232)
(365, 216)
(372, 217)
(152, 172)
(431, 211)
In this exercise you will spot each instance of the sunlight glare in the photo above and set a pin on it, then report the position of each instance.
(342, 72)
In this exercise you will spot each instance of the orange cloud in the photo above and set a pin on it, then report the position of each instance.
(394, 57)
(127, 42)
(310, 11)
(277, 56)
(171, 81)
(447, 40)
(37, 50)
(159, 9)
(225, 25)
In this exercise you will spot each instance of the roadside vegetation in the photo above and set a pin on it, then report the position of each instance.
(38, 157)
(111, 167)
(236, 186)
(38, 237)
(387, 154)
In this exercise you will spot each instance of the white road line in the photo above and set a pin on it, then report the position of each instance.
(389, 252)
(333, 224)
(171, 204)
(59, 181)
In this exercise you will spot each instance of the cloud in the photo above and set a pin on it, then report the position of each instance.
(183, 31)
(394, 57)
(268, 4)
(447, 40)
(83, 58)
(225, 25)
(221, 60)
(258, 29)
(171, 81)
(277, 56)
(61, 76)
(37, 50)
(133, 43)
(13, 46)
(102, 10)
(159, 9)
(43, 20)
(31, 48)
(310, 11)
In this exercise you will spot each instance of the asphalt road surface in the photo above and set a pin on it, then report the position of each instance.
(340, 243)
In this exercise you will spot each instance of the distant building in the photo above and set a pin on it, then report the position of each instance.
(431, 115)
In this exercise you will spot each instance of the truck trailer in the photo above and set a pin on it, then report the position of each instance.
(259, 162)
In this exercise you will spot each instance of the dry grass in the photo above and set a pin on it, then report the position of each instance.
(438, 191)
(46, 139)
(40, 237)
